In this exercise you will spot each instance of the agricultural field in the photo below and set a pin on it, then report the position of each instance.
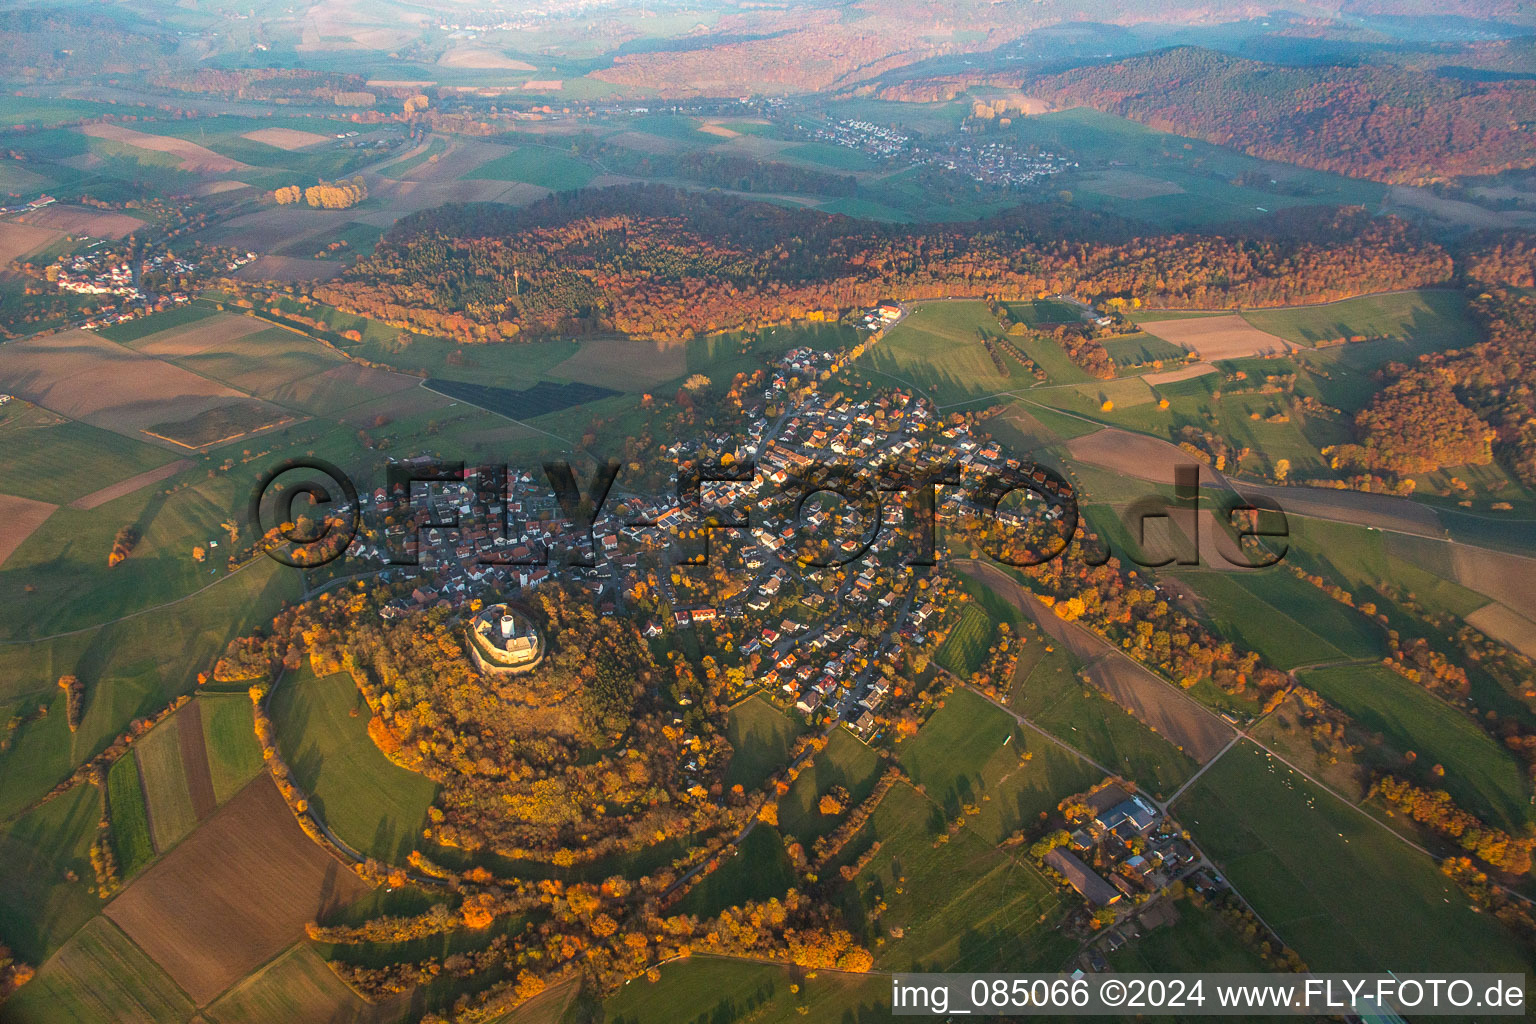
(1044, 312)
(131, 837)
(1420, 321)
(1175, 182)
(234, 894)
(297, 986)
(997, 913)
(84, 377)
(609, 362)
(706, 990)
(166, 789)
(372, 804)
(972, 752)
(57, 460)
(1217, 337)
(966, 646)
(1480, 774)
(1287, 620)
(1156, 703)
(99, 977)
(1340, 888)
(1141, 349)
(535, 165)
(761, 736)
(1048, 692)
(22, 517)
(18, 240)
(529, 403)
(234, 756)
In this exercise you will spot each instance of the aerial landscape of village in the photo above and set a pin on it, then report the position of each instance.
(574, 511)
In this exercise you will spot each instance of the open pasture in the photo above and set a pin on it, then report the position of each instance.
(759, 869)
(1048, 693)
(963, 905)
(40, 907)
(546, 167)
(189, 155)
(1287, 620)
(1339, 887)
(371, 803)
(1421, 321)
(937, 348)
(99, 977)
(845, 762)
(761, 736)
(973, 752)
(234, 894)
(1218, 337)
(1480, 774)
(625, 364)
(709, 990)
(79, 375)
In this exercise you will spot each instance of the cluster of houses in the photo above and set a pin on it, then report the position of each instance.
(873, 139)
(825, 640)
(996, 163)
(1126, 851)
(878, 318)
(93, 272)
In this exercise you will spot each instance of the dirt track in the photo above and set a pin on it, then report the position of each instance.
(98, 498)
(1156, 703)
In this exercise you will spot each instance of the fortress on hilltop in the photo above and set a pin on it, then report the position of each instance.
(503, 642)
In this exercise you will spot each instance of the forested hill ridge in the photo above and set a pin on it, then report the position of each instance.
(1388, 124)
(657, 263)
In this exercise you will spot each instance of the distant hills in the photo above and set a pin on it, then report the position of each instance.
(1388, 124)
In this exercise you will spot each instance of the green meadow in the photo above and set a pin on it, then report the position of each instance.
(1341, 889)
